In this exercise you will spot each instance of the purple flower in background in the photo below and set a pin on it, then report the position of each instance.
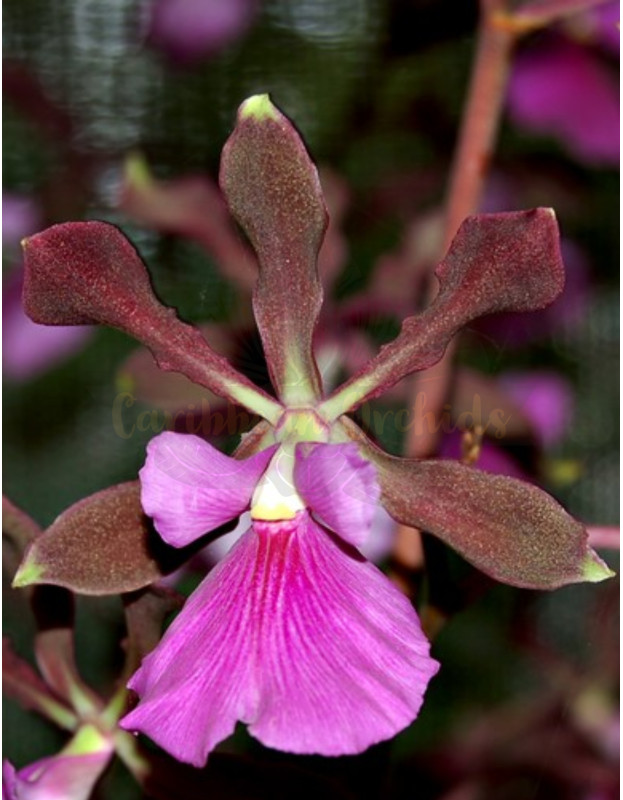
(294, 632)
(70, 775)
(559, 88)
(28, 348)
(20, 218)
(190, 30)
(600, 25)
(546, 400)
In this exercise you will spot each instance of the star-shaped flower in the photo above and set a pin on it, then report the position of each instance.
(294, 633)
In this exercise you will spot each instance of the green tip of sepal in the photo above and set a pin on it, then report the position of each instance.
(28, 573)
(259, 108)
(595, 570)
(136, 171)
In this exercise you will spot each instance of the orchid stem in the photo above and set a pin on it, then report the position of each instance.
(476, 141)
(481, 121)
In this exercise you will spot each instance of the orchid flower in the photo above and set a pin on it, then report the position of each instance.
(188, 31)
(294, 633)
(69, 775)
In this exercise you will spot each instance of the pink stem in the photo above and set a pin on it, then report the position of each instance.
(607, 537)
(480, 124)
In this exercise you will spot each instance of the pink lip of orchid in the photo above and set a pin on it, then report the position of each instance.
(294, 632)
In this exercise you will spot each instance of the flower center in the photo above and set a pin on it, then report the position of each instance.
(275, 496)
(301, 425)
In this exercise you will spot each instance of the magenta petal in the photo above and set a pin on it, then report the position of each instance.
(559, 88)
(189, 488)
(60, 777)
(339, 486)
(295, 635)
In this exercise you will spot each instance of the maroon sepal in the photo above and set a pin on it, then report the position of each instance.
(511, 530)
(273, 190)
(496, 262)
(102, 545)
(88, 272)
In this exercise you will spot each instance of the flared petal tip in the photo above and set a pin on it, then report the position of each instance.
(259, 108)
(595, 569)
(29, 572)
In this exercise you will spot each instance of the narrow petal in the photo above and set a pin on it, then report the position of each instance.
(189, 488)
(82, 273)
(339, 486)
(496, 262)
(513, 531)
(294, 634)
(273, 190)
(21, 683)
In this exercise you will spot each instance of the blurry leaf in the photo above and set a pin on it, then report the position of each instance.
(21, 682)
(190, 206)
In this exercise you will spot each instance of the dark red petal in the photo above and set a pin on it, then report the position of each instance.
(88, 272)
(511, 530)
(54, 642)
(496, 262)
(103, 544)
(273, 190)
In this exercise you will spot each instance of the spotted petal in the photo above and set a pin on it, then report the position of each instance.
(294, 634)
(189, 488)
